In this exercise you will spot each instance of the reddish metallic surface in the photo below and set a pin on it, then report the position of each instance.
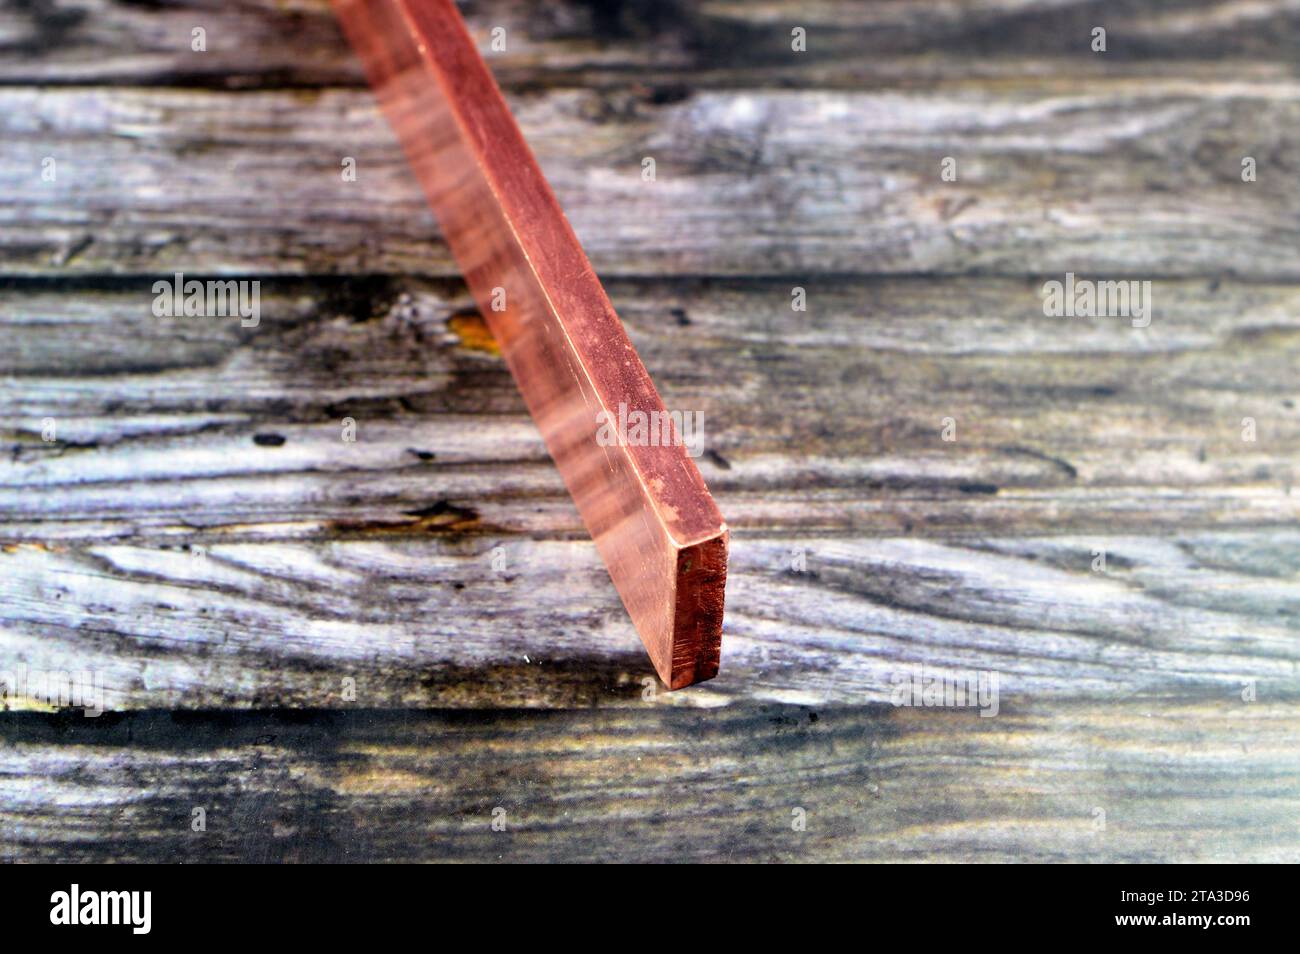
(647, 508)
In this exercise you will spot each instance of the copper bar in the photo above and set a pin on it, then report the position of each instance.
(647, 508)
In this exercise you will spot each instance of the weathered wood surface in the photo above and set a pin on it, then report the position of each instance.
(161, 420)
(1133, 177)
(201, 536)
(1194, 781)
(769, 162)
(826, 420)
(670, 43)
(431, 624)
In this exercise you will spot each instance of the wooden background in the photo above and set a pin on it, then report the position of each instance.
(201, 536)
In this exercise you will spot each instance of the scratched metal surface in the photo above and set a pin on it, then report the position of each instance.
(374, 649)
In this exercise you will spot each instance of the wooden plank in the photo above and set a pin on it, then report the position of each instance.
(796, 184)
(451, 620)
(203, 539)
(1209, 781)
(670, 46)
(825, 421)
(374, 560)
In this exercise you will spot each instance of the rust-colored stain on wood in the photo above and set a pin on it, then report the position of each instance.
(473, 333)
(647, 507)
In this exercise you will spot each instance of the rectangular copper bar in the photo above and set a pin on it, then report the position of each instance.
(647, 508)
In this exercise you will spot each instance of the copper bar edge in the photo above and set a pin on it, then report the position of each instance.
(646, 506)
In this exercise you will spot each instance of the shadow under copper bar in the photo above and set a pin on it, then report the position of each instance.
(647, 508)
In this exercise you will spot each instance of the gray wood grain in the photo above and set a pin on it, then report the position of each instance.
(1207, 781)
(1133, 178)
(828, 420)
(670, 45)
(373, 559)
(432, 623)
(202, 538)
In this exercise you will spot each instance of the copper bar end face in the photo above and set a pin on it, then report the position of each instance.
(696, 649)
(647, 508)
